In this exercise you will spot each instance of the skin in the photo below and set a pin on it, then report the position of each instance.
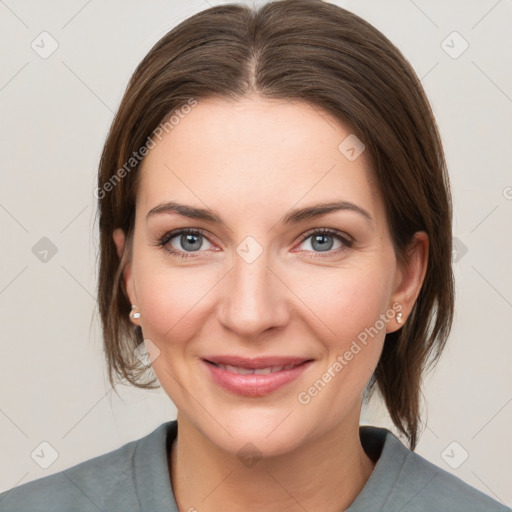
(253, 161)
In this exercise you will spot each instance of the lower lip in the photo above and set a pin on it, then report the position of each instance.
(252, 384)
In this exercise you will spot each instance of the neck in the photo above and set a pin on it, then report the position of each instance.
(325, 474)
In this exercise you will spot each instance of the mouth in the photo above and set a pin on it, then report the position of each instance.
(253, 371)
(257, 376)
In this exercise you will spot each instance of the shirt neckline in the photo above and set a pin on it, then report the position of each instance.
(389, 455)
(153, 483)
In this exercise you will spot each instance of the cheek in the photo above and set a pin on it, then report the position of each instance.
(351, 304)
(171, 301)
(345, 301)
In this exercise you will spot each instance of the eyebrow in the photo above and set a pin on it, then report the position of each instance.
(292, 217)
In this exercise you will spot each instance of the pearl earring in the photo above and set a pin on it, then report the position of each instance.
(399, 317)
(134, 315)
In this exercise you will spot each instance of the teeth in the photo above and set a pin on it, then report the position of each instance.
(262, 371)
(258, 371)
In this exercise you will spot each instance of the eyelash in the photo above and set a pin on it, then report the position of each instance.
(165, 239)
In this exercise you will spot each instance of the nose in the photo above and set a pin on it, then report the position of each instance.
(255, 298)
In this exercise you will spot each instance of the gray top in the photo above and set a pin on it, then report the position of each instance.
(135, 477)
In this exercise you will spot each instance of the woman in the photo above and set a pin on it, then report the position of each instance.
(275, 223)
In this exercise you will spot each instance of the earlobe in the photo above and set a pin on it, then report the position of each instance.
(120, 242)
(411, 276)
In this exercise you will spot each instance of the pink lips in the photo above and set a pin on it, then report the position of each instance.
(255, 376)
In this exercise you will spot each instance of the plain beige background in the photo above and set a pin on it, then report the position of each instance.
(55, 113)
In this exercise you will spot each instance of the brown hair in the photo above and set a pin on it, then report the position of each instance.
(319, 53)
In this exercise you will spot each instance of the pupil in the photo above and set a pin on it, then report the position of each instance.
(188, 242)
(321, 239)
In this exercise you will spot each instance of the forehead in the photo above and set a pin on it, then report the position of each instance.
(254, 152)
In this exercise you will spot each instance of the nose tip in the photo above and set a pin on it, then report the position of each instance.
(254, 300)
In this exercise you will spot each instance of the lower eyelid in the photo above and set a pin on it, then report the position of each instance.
(345, 244)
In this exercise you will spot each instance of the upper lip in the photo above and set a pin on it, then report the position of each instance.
(256, 362)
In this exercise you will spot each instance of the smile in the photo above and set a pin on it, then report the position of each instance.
(254, 371)
(254, 377)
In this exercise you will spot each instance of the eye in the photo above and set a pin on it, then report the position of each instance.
(183, 242)
(323, 240)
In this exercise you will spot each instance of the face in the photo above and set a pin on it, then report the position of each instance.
(259, 287)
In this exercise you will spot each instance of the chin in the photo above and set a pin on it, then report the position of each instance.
(253, 443)
(266, 432)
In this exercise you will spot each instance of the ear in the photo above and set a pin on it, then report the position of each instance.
(410, 276)
(120, 242)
